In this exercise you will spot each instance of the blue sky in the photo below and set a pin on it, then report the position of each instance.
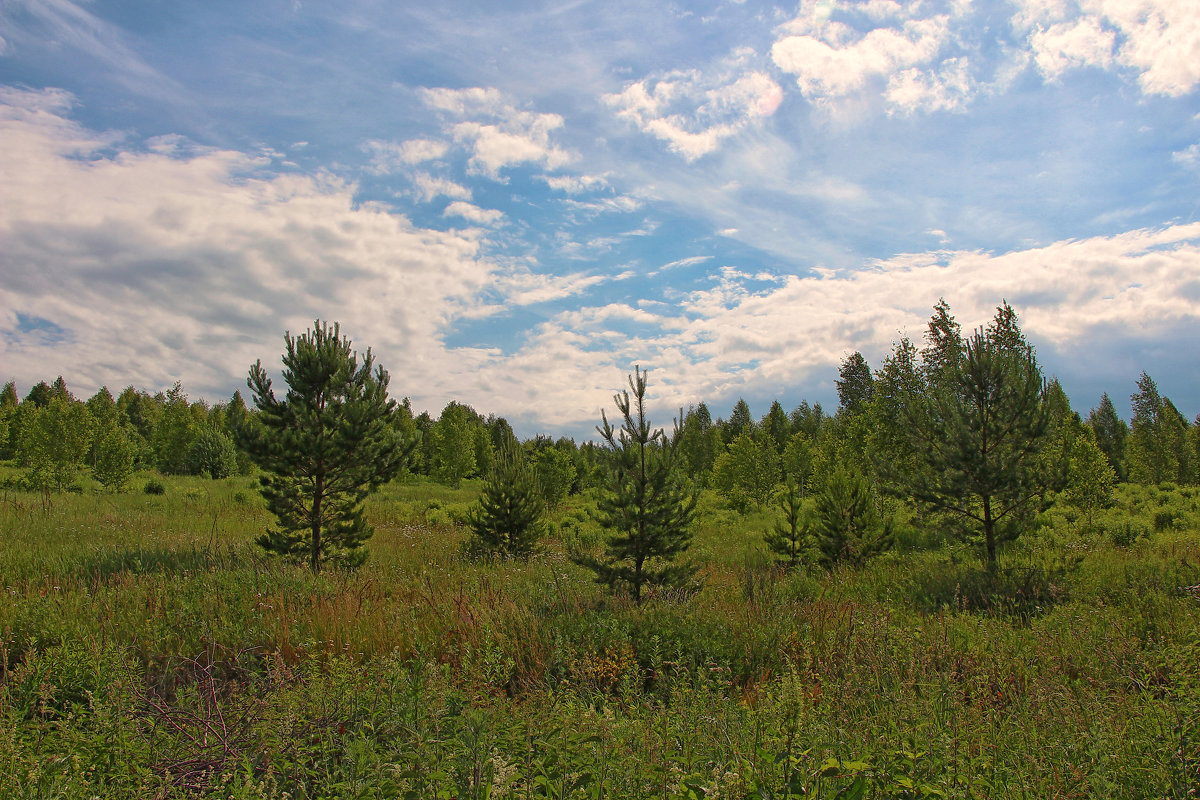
(514, 203)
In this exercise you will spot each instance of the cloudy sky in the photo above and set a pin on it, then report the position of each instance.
(514, 203)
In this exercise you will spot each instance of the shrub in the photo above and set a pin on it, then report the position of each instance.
(212, 453)
(154, 487)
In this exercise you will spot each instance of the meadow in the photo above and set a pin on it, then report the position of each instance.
(149, 649)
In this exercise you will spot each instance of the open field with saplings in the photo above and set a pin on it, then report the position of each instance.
(149, 649)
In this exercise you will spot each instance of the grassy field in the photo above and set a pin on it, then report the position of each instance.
(147, 649)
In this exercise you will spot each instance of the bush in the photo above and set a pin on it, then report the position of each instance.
(154, 487)
(213, 454)
(1164, 520)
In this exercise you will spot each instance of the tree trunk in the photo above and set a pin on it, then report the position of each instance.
(989, 534)
(315, 555)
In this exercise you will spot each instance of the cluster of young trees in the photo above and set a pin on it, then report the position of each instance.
(54, 436)
(965, 429)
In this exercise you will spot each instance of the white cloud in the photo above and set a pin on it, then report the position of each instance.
(462, 102)
(1067, 45)
(522, 287)
(498, 134)
(691, 261)
(693, 111)
(948, 89)
(1162, 42)
(618, 204)
(523, 139)
(575, 184)
(728, 340)
(473, 213)
(832, 61)
(1188, 157)
(1158, 39)
(430, 187)
(386, 157)
(160, 266)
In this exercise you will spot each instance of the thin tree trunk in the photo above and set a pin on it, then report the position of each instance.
(315, 555)
(989, 534)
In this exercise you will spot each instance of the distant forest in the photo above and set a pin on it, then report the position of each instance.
(875, 431)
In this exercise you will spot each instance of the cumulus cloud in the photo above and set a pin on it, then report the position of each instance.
(694, 111)
(1068, 45)
(386, 157)
(430, 187)
(157, 266)
(947, 89)
(1159, 40)
(1188, 157)
(498, 134)
(473, 213)
(728, 339)
(833, 60)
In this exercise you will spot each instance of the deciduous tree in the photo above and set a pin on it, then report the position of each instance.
(1111, 434)
(854, 384)
(747, 472)
(55, 441)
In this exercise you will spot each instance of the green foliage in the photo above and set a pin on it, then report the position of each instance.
(174, 431)
(790, 537)
(507, 520)
(699, 442)
(55, 439)
(212, 453)
(454, 438)
(847, 524)
(1091, 479)
(1111, 433)
(796, 462)
(645, 505)
(554, 471)
(113, 466)
(776, 427)
(1159, 447)
(154, 486)
(325, 447)
(747, 472)
(739, 421)
(979, 432)
(854, 384)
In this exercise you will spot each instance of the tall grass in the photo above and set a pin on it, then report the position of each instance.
(148, 649)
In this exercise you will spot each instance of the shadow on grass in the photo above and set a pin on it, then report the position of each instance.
(110, 563)
(1021, 592)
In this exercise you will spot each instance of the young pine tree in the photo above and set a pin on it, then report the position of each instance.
(325, 446)
(978, 434)
(848, 527)
(790, 537)
(645, 504)
(507, 520)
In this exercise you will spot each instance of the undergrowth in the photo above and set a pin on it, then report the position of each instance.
(148, 650)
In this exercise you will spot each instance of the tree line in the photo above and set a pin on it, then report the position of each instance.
(963, 431)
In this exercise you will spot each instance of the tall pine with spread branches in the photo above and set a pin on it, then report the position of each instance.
(324, 447)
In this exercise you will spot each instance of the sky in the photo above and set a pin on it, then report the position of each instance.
(513, 204)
